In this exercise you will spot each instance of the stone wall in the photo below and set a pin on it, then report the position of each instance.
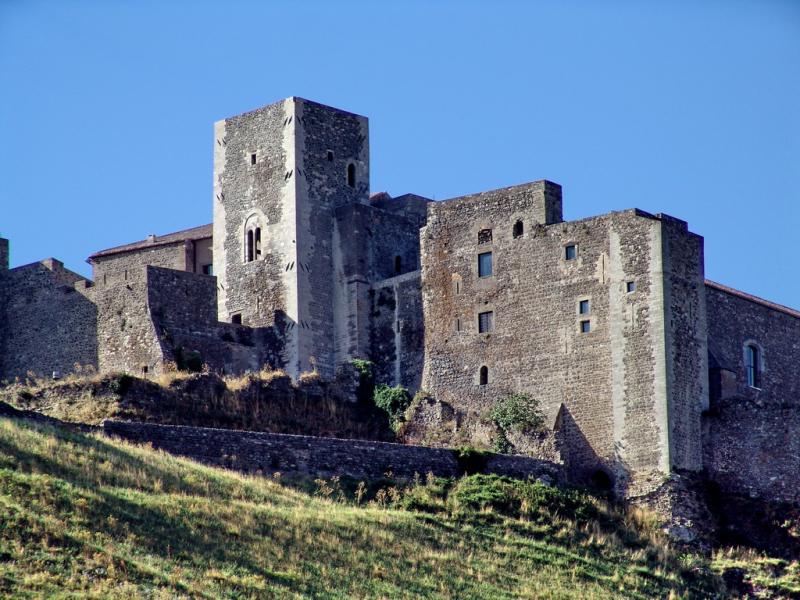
(611, 390)
(4, 254)
(312, 456)
(736, 319)
(752, 448)
(48, 320)
(751, 443)
(397, 331)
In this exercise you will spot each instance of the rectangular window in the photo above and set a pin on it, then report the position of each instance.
(208, 269)
(570, 252)
(586, 326)
(630, 287)
(236, 319)
(486, 322)
(485, 264)
(583, 307)
(253, 158)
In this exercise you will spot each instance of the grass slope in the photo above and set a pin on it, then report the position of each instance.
(84, 516)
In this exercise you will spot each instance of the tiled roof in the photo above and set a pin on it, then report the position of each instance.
(195, 233)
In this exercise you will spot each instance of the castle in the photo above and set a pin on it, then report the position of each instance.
(642, 367)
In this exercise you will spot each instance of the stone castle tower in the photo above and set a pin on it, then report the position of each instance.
(280, 174)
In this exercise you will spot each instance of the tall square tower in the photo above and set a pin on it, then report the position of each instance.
(280, 172)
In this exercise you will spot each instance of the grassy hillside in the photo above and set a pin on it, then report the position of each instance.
(83, 516)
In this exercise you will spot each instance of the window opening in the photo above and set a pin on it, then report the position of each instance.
(570, 252)
(258, 242)
(485, 264)
(483, 378)
(330, 155)
(208, 269)
(250, 245)
(253, 158)
(351, 175)
(398, 265)
(518, 229)
(583, 307)
(458, 324)
(586, 326)
(485, 236)
(753, 365)
(236, 318)
(630, 287)
(486, 322)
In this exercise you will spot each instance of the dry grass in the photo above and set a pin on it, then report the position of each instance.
(82, 516)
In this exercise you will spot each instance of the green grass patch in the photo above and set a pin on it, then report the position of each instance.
(85, 516)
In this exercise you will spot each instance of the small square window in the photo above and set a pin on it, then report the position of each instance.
(485, 264)
(583, 307)
(570, 252)
(586, 326)
(236, 319)
(630, 287)
(253, 158)
(208, 269)
(486, 322)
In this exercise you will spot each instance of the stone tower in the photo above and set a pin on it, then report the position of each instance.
(280, 172)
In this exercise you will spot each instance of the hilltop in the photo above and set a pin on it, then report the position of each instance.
(87, 515)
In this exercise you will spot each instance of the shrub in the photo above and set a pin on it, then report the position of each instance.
(517, 412)
(394, 400)
(120, 384)
(516, 497)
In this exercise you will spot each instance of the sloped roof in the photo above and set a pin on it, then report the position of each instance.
(195, 233)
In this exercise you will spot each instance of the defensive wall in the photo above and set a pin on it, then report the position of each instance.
(257, 452)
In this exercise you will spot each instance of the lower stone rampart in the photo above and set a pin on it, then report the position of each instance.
(258, 452)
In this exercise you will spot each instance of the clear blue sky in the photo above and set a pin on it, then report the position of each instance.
(687, 108)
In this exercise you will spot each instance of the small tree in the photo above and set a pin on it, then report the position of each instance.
(394, 400)
(518, 413)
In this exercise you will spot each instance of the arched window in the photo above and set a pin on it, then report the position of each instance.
(250, 246)
(398, 265)
(752, 365)
(351, 175)
(518, 230)
(484, 375)
(258, 242)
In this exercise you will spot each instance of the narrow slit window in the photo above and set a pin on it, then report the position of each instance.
(330, 155)
(258, 242)
(518, 230)
(485, 268)
(570, 252)
(398, 265)
(253, 158)
(458, 324)
(483, 376)
(486, 322)
(351, 175)
(752, 357)
(250, 246)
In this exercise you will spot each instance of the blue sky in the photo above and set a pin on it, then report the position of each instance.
(686, 108)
